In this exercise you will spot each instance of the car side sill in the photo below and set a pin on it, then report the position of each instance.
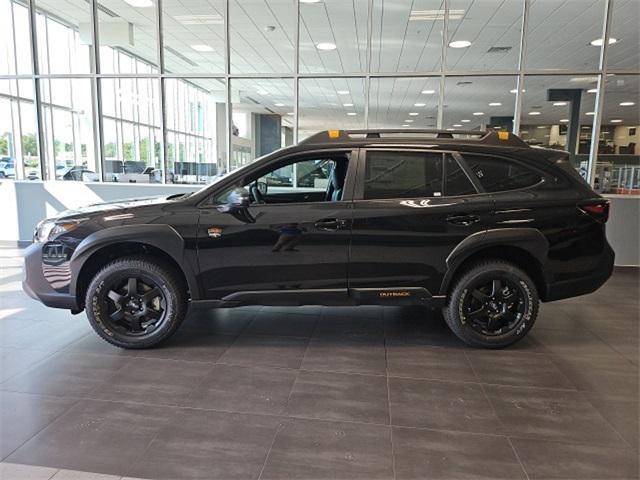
(327, 297)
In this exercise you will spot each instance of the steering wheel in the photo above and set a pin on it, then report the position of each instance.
(256, 194)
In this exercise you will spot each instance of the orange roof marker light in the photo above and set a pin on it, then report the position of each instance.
(503, 135)
(334, 133)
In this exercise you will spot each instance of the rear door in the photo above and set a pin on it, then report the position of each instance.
(411, 208)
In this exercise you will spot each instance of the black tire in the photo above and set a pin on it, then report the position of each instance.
(480, 318)
(136, 314)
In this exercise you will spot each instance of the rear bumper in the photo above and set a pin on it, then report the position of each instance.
(584, 284)
(36, 286)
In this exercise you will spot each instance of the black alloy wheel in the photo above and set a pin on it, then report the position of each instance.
(494, 307)
(492, 304)
(136, 306)
(136, 302)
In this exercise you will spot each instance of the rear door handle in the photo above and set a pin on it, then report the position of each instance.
(463, 220)
(329, 224)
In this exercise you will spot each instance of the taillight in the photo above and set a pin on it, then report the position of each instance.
(598, 210)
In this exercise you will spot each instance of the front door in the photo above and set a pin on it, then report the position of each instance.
(411, 209)
(293, 237)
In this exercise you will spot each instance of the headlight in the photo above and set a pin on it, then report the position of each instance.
(47, 230)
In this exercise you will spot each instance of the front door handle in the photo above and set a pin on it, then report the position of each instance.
(329, 224)
(463, 220)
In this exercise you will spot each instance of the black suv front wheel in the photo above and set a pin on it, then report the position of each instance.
(493, 304)
(136, 302)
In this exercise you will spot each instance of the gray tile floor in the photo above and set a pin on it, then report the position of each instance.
(314, 393)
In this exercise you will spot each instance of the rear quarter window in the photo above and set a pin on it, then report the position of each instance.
(499, 175)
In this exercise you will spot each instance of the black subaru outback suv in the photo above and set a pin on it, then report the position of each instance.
(478, 224)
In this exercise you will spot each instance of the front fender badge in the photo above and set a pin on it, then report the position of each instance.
(214, 232)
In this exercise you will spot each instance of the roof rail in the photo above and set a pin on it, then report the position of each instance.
(490, 137)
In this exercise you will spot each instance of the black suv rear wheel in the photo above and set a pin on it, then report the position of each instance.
(492, 304)
(135, 302)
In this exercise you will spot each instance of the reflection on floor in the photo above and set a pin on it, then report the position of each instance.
(321, 393)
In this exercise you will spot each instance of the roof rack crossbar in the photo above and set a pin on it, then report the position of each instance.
(488, 137)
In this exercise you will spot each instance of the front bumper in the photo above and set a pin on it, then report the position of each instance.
(36, 286)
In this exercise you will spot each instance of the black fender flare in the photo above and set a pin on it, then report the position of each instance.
(530, 240)
(161, 236)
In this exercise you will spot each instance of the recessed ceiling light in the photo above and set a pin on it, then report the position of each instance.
(564, 120)
(291, 113)
(347, 104)
(477, 114)
(413, 114)
(428, 92)
(417, 15)
(465, 121)
(590, 113)
(457, 125)
(627, 104)
(599, 41)
(460, 44)
(202, 48)
(262, 92)
(343, 92)
(326, 46)
(451, 129)
(310, 1)
(419, 104)
(214, 19)
(495, 104)
(140, 3)
(559, 104)
(584, 79)
(515, 90)
(541, 126)
(616, 120)
(592, 90)
(534, 113)
(279, 104)
(352, 114)
(408, 121)
(405, 125)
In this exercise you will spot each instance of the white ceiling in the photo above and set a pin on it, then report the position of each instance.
(262, 39)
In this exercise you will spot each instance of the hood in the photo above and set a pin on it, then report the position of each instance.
(116, 205)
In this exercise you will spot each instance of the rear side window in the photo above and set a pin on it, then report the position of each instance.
(456, 182)
(390, 174)
(499, 175)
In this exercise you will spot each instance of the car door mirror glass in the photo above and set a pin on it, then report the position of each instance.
(237, 199)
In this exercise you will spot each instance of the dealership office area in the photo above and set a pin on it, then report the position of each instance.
(109, 100)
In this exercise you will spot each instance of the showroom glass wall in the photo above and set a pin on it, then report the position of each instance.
(126, 90)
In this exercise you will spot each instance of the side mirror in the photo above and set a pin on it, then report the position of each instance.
(238, 199)
(262, 187)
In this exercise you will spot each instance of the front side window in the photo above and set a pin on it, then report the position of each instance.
(499, 175)
(393, 174)
(304, 180)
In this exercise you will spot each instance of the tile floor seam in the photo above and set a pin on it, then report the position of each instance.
(626, 442)
(273, 442)
(36, 364)
(65, 411)
(386, 367)
(515, 452)
(130, 468)
(624, 358)
(295, 380)
(486, 396)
